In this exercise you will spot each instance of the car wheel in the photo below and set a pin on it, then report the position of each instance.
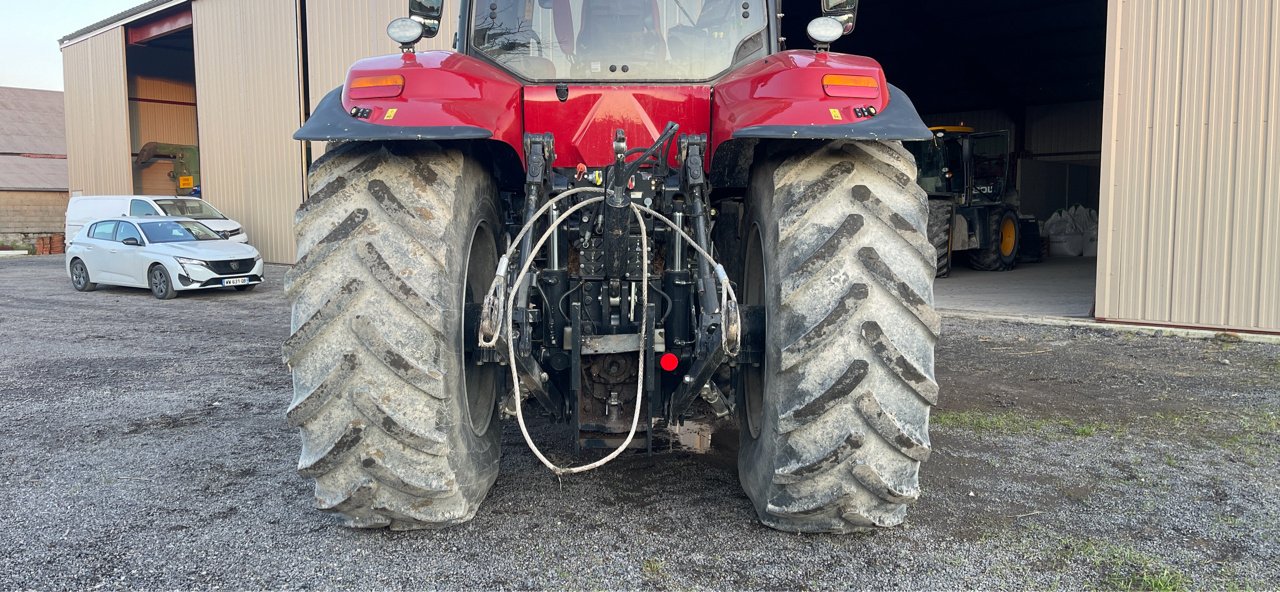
(160, 282)
(80, 277)
(246, 288)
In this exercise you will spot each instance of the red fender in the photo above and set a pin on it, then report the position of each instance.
(446, 96)
(783, 96)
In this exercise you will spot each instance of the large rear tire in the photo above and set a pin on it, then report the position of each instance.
(835, 422)
(941, 216)
(398, 430)
(1001, 252)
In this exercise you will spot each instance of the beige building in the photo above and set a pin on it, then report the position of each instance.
(1191, 164)
(1161, 113)
(33, 165)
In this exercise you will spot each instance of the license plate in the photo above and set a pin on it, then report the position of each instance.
(235, 282)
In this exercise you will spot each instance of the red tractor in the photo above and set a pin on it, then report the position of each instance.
(617, 213)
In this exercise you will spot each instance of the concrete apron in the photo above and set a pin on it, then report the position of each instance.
(1151, 330)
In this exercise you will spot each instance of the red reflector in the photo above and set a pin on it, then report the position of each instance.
(669, 362)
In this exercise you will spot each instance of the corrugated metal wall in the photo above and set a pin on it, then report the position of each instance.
(1065, 132)
(1191, 176)
(339, 32)
(97, 115)
(160, 110)
(249, 91)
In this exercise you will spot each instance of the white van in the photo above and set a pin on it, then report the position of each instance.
(84, 209)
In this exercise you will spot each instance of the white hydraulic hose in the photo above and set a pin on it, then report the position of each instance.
(644, 324)
(726, 294)
(492, 302)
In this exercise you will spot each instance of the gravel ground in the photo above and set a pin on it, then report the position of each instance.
(144, 446)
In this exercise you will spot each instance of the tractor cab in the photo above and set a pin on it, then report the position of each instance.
(968, 167)
(972, 201)
(606, 41)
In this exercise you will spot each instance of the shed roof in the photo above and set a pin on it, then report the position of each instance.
(121, 18)
(33, 144)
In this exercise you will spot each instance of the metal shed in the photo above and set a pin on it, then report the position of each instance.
(1188, 179)
(1191, 164)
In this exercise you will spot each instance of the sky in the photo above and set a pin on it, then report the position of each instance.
(29, 33)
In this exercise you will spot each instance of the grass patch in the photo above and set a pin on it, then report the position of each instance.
(1088, 429)
(1165, 580)
(652, 567)
(1009, 423)
(1013, 423)
(1251, 437)
(1254, 438)
(1124, 568)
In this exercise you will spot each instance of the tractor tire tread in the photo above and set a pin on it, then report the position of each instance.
(940, 220)
(989, 258)
(376, 380)
(842, 451)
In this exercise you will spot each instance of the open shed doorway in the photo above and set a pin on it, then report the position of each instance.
(160, 66)
(1034, 70)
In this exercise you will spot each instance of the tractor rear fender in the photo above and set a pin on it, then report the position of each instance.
(445, 96)
(808, 95)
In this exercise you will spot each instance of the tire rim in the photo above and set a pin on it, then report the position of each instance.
(1008, 236)
(480, 381)
(753, 294)
(78, 275)
(159, 283)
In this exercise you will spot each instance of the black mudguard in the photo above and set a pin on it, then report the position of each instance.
(898, 121)
(331, 123)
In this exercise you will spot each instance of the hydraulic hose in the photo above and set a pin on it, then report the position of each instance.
(728, 306)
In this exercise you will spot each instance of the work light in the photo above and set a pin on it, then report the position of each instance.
(406, 31)
(824, 30)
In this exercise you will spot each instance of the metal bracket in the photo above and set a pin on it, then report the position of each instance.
(710, 352)
(539, 154)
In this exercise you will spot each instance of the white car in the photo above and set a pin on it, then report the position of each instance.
(163, 254)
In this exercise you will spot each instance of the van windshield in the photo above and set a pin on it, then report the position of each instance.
(607, 40)
(190, 208)
(179, 231)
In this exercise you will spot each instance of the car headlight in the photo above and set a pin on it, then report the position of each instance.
(825, 30)
(406, 31)
(185, 261)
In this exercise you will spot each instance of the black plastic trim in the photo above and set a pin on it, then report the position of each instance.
(331, 123)
(898, 121)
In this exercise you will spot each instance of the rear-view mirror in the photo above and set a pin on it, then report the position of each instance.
(846, 11)
(427, 12)
(132, 242)
(840, 6)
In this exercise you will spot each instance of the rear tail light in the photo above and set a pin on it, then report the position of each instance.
(851, 86)
(376, 87)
